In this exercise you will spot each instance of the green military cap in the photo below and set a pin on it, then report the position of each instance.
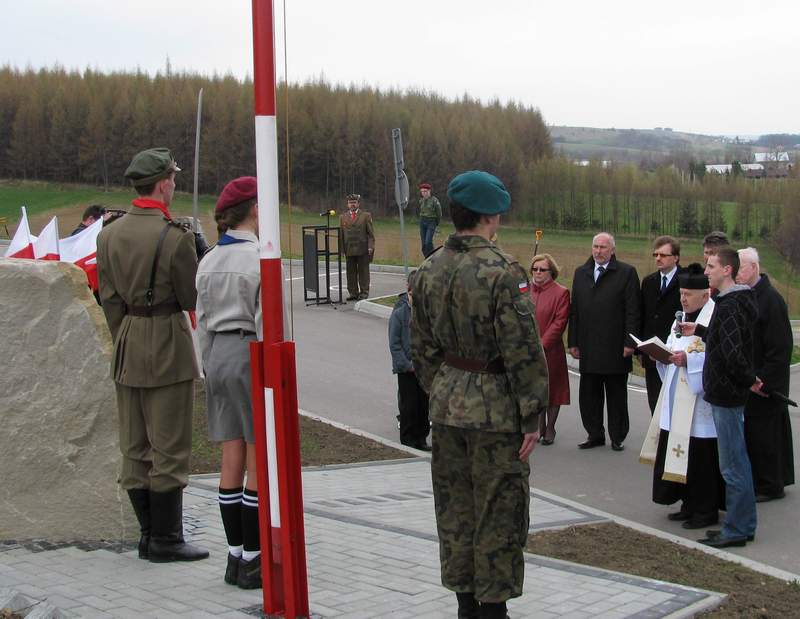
(151, 165)
(479, 192)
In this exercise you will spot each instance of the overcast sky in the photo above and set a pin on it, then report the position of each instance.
(702, 66)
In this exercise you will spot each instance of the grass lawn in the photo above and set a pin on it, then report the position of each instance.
(569, 249)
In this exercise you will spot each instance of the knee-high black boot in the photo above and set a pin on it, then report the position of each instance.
(166, 536)
(468, 606)
(140, 499)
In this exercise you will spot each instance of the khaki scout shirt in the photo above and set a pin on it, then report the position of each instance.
(358, 235)
(471, 300)
(148, 351)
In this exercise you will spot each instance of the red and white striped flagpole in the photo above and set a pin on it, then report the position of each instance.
(275, 415)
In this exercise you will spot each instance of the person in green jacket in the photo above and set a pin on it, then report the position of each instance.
(430, 214)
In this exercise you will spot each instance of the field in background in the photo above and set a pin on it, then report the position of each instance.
(569, 249)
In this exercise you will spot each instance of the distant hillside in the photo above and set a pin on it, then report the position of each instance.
(654, 145)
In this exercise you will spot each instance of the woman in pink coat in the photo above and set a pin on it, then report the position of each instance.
(552, 313)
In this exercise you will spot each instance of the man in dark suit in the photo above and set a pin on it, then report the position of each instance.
(661, 298)
(605, 309)
(767, 428)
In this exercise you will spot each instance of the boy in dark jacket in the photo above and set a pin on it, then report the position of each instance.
(728, 378)
(412, 401)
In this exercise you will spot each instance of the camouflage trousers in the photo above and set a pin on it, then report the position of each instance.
(481, 493)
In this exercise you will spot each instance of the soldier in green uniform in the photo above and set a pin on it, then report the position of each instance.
(358, 239)
(476, 351)
(146, 266)
(430, 214)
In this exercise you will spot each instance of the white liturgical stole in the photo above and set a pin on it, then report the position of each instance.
(680, 408)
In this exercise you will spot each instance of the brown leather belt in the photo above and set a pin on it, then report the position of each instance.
(146, 311)
(495, 366)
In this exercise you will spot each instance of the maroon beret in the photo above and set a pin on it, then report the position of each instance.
(425, 186)
(237, 191)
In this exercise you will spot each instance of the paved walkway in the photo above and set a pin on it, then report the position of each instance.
(372, 552)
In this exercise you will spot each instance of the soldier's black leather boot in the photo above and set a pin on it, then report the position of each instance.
(468, 607)
(140, 500)
(166, 529)
(493, 610)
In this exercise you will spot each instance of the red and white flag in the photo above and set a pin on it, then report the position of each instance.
(81, 250)
(22, 243)
(46, 246)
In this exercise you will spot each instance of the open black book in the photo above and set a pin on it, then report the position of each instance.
(653, 347)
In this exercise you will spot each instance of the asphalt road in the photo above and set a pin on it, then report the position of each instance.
(344, 374)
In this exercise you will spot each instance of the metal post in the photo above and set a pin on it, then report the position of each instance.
(197, 160)
(275, 387)
(401, 193)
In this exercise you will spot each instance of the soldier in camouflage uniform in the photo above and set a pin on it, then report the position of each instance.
(476, 351)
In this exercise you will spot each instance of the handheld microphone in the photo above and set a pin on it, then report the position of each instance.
(679, 316)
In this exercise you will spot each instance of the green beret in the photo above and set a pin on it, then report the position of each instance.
(479, 192)
(151, 165)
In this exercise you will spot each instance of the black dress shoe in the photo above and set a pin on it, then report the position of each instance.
(723, 542)
(763, 498)
(422, 446)
(617, 446)
(546, 441)
(353, 297)
(591, 442)
(700, 523)
(678, 516)
(711, 533)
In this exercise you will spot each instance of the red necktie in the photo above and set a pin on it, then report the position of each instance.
(353, 215)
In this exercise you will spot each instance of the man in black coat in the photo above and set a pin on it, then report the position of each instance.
(661, 298)
(767, 428)
(604, 310)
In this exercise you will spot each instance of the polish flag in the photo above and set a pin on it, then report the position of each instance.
(81, 250)
(22, 243)
(46, 246)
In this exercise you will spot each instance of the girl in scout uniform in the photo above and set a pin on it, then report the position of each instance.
(229, 318)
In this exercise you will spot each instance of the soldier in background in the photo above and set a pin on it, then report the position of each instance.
(430, 214)
(476, 351)
(358, 239)
(146, 266)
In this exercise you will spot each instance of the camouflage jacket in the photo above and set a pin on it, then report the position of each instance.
(471, 300)
(430, 207)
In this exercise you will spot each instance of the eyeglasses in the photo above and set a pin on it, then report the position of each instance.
(539, 270)
(657, 254)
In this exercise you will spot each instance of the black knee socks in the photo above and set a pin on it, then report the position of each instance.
(252, 543)
(230, 507)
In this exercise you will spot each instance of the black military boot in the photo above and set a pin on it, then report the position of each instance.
(140, 499)
(493, 610)
(468, 606)
(166, 536)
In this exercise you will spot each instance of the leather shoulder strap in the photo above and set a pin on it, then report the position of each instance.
(149, 294)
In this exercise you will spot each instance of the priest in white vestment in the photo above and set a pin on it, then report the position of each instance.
(687, 465)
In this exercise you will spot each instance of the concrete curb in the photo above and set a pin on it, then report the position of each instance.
(722, 554)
